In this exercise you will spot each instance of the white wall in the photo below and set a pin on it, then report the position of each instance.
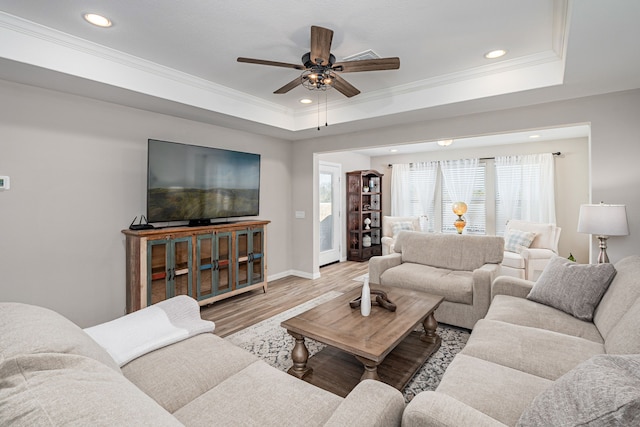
(78, 177)
(615, 150)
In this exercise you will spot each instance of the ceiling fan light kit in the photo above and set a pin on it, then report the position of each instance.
(320, 69)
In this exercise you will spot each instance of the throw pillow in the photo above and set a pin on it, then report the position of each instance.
(515, 240)
(602, 391)
(399, 226)
(573, 288)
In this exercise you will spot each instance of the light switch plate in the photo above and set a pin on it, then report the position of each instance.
(4, 183)
(300, 214)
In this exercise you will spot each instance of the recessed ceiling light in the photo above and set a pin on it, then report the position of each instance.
(97, 20)
(393, 150)
(305, 101)
(495, 54)
(445, 142)
(534, 136)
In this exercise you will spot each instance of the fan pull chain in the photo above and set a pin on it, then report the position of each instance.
(318, 111)
(326, 111)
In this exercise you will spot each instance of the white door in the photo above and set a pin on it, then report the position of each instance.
(329, 212)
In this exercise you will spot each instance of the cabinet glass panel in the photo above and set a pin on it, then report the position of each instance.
(222, 273)
(257, 259)
(205, 265)
(158, 271)
(182, 267)
(242, 260)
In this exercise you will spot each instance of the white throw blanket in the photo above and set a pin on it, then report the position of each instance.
(151, 328)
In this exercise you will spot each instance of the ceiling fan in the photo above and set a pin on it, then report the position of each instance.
(320, 68)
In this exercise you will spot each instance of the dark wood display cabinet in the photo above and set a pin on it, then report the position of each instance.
(364, 214)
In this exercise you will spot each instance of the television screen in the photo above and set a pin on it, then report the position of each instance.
(189, 182)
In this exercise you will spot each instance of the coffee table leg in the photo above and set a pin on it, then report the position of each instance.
(370, 369)
(430, 325)
(299, 355)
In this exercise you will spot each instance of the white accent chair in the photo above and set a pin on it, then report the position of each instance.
(388, 222)
(529, 262)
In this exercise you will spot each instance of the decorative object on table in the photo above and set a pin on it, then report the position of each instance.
(380, 299)
(604, 221)
(365, 302)
(366, 241)
(367, 223)
(459, 208)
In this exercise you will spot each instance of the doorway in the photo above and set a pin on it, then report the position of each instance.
(329, 208)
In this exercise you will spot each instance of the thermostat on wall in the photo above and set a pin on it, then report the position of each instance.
(4, 182)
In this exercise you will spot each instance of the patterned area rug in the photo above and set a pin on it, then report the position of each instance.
(269, 341)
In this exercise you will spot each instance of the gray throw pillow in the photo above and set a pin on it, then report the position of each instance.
(602, 391)
(573, 288)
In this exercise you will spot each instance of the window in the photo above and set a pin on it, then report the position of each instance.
(476, 212)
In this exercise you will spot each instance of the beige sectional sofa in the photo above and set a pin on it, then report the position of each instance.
(531, 358)
(52, 373)
(459, 268)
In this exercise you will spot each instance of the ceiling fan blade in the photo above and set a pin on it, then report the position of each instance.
(320, 44)
(368, 65)
(272, 63)
(286, 88)
(344, 87)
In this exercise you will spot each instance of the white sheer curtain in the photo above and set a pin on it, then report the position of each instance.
(413, 189)
(460, 178)
(525, 188)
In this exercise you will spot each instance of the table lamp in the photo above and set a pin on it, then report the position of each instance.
(604, 221)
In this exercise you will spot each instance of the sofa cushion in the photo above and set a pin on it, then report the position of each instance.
(536, 351)
(57, 389)
(260, 395)
(621, 295)
(513, 260)
(545, 233)
(624, 338)
(450, 251)
(573, 288)
(515, 240)
(603, 391)
(498, 391)
(173, 375)
(454, 286)
(400, 226)
(521, 311)
(29, 329)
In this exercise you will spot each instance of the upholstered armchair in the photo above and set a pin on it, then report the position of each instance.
(528, 248)
(392, 225)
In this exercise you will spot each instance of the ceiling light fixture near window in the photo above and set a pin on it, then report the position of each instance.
(495, 54)
(393, 150)
(97, 20)
(305, 101)
(445, 142)
(534, 136)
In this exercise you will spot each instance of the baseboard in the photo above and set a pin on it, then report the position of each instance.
(296, 273)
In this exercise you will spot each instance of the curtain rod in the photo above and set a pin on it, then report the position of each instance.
(557, 153)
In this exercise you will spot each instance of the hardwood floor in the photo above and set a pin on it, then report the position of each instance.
(233, 314)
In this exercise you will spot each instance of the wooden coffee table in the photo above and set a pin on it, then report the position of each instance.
(385, 343)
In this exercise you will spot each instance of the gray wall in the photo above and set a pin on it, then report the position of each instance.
(615, 148)
(78, 177)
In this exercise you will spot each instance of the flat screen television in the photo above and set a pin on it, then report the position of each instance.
(198, 184)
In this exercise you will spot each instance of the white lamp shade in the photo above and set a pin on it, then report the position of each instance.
(603, 220)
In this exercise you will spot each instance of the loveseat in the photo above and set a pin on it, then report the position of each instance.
(52, 373)
(533, 364)
(459, 268)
